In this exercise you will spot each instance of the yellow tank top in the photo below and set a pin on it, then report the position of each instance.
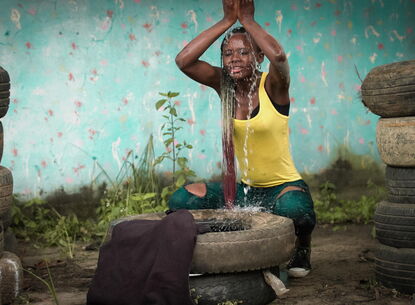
(262, 145)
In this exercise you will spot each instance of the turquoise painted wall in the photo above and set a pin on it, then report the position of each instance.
(86, 74)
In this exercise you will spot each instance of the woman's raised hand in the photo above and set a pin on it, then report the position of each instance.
(246, 11)
(230, 10)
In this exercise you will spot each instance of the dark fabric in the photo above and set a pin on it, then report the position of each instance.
(297, 205)
(146, 262)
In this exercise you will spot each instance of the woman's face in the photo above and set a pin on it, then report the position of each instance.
(239, 57)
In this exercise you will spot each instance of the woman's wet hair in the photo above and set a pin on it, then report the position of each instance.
(238, 30)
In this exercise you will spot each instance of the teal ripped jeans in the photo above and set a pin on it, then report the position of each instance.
(295, 204)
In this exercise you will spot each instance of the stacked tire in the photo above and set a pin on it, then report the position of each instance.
(11, 275)
(389, 91)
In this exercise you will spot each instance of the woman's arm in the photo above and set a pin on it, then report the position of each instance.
(188, 58)
(278, 80)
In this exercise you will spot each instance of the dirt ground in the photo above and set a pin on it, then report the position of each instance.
(342, 259)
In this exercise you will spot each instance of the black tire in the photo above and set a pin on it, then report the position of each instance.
(400, 182)
(6, 190)
(12, 277)
(4, 94)
(4, 106)
(395, 224)
(269, 241)
(4, 87)
(10, 241)
(4, 76)
(1, 239)
(395, 139)
(1, 141)
(395, 268)
(389, 90)
(238, 288)
(7, 219)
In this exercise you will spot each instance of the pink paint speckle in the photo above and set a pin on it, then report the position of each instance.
(94, 72)
(145, 63)
(157, 53)
(70, 77)
(209, 19)
(294, 7)
(15, 152)
(337, 12)
(73, 45)
(313, 23)
(381, 46)
(77, 169)
(59, 134)
(302, 79)
(125, 101)
(333, 112)
(137, 1)
(43, 163)
(299, 48)
(341, 86)
(357, 87)
(92, 133)
(28, 45)
(320, 148)
(69, 180)
(148, 27)
(303, 131)
(313, 101)
(32, 12)
(292, 99)
(132, 37)
(267, 24)
(201, 156)
(184, 25)
(362, 141)
(203, 87)
(50, 112)
(110, 13)
(289, 32)
(409, 30)
(333, 32)
(318, 5)
(104, 62)
(177, 103)
(78, 104)
(202, 132)
(190, 122)
(339, 58)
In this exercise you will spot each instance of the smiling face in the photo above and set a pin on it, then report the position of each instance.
(240, 56)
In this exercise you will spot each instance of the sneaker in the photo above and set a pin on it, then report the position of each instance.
(299, 265)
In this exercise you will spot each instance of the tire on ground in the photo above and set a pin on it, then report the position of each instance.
(236, 288)
(395, 268)
(12, 277)
(400, 182)
(395, 224)
(268, 241)
(389, 90)
(395, 139)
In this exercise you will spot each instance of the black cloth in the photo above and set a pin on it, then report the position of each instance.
(146, 262)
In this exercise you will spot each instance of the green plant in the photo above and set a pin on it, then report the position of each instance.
(174, 148)
(330, 209)
(135, 190)
(49, 284)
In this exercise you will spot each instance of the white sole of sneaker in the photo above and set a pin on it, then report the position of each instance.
(298, 272)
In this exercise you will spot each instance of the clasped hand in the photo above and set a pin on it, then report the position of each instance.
(242, 10)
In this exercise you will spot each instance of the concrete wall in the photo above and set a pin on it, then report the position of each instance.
(86, 75)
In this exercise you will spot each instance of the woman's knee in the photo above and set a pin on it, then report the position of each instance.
(184, 197)
(296, 203)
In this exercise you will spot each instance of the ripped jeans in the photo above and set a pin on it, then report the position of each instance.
(295, 204)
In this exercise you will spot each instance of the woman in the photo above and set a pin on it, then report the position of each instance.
(260, 125)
